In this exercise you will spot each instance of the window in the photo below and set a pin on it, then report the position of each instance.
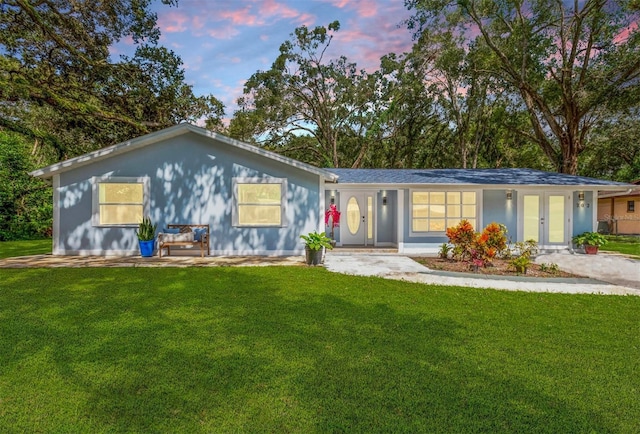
(631, 206)
(435, 211)
(119, 201)
(259, 202)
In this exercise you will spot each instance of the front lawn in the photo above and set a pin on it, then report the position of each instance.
(629, 245)
(294, 349)
(10, 249)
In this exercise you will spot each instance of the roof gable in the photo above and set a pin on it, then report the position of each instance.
(168, 133)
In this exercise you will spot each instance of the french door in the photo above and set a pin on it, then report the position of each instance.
(544, 218)
(357, 225)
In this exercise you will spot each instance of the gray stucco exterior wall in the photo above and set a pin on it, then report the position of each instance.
(583, 213)
(386, 214)
(190, 181)
(496, 208)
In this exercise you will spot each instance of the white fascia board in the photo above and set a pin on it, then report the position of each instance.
(390, 186)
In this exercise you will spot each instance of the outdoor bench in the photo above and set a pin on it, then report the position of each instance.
(184, 236)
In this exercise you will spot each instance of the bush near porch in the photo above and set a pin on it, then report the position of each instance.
(292, 349)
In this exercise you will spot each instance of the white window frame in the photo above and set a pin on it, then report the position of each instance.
(265, 180)
(107, 179)
(413, 233)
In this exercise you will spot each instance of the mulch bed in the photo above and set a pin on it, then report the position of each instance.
(500, 267)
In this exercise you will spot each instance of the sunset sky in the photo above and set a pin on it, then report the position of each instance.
(223, 42)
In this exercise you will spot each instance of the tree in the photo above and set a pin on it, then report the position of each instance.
(302, 94)
(615, 149)
(570, 63)
(55, 57)
(25, 202)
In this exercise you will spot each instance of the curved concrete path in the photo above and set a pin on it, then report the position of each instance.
(392, 266)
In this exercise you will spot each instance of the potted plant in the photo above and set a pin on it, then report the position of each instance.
(315, 245)
(332, 217)
(591, 241)
(146, 237)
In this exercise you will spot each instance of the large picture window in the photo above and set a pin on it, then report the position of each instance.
(119, 201)
(435, 211)
(259, 202)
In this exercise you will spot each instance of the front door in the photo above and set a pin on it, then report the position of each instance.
(358, 213)
(544, 218)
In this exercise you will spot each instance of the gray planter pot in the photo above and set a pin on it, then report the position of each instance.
(314, 257)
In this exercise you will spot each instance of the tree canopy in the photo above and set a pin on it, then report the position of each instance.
(569, 63)
(55, 60)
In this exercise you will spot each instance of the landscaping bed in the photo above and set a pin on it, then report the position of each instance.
(499, 267)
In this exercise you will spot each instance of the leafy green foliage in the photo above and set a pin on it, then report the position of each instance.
(146, 230)
(589, 239)
(317, 240)
(26, 208)
(521, 255)
(55, 59)
(321, 111)
(295, 349)
(566, 64)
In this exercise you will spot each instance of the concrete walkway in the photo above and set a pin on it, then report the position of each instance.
(618, 269)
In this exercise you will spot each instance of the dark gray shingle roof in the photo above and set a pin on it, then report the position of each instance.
(465, 176)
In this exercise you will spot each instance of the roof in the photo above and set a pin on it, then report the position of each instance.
(469, 177)
(167, 133)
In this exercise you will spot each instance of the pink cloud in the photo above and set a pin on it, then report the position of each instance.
(306, 20)
(241, 17)
(364, 8)
(173, 22)
(271, 7)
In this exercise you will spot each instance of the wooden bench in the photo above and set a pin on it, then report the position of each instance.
(166, 240)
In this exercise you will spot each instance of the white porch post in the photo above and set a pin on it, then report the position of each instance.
(400, 220)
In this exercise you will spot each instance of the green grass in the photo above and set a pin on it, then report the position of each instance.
(10, 249)
(629, 245)
(294, 349)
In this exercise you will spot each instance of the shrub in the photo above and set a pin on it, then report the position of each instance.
(463, 238)
(524, 251)
(478, 248)
(444, 251)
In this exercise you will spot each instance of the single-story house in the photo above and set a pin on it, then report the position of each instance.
(258, 202)
(619, 212)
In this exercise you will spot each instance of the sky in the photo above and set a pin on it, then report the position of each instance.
(223, 42)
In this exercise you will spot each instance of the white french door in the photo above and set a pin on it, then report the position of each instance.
(357, 224)
(544, 218)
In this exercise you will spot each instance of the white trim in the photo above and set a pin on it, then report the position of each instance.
(108, 179)
(322, 205)
(459, 186)
(400, 219)
(168, 133)
(55, 236)
(594, 212)
(260, 180)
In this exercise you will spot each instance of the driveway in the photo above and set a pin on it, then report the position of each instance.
(606, 274)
